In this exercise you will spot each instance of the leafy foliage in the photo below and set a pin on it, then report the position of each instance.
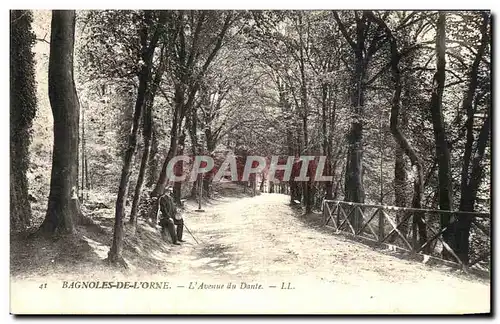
(290, 83)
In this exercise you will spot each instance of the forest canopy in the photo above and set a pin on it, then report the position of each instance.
(399, 103)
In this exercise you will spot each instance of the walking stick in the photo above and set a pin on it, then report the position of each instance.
(191, 233)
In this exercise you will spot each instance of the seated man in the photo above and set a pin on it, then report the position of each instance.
(170, 217)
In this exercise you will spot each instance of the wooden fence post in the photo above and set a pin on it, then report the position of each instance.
(338, 217)
(414, 233)
(381, 225)
(323, 211)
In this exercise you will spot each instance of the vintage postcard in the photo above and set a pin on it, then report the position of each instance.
(250, 162)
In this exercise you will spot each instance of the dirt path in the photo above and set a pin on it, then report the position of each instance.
(262, 241)
(261, 238)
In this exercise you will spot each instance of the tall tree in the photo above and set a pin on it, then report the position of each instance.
(472, 169)
(147, 132)
(195, 48)
(440, 137)
(22, 111)
(304, 102)
(363, 47)
(63, 207)
(153, 157)
(404, 145)
(149, 36)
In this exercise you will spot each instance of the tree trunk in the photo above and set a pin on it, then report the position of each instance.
(293, 185)
(22, 112)
(442, 150)
(305, 114)
(400, 178)
(174, 136)
(467, 201)
(195, 189)
(333, 161)
(153, 158)
(208, 178)
(469, 183)
(404, 145)
(418, 217)
(354, 190)
(286, 110)
(354, 173)
(180, 168)
(327, 149)
(142, 169)
(62, 208)
(83, 155)
(147, 134)
(363, 52)
(192, 122)
(114, 255)
(88, 184)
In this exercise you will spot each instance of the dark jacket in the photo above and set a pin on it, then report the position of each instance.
(167, 207)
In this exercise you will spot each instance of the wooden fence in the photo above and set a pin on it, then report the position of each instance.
(411, 229)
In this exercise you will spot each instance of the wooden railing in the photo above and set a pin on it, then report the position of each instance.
(411, 229)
